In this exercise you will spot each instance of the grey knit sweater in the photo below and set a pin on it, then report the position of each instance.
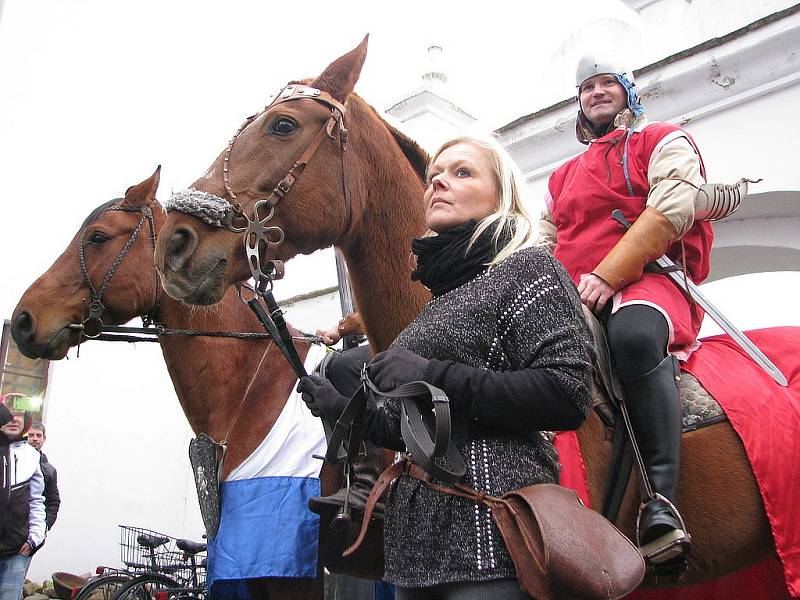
(522, 314)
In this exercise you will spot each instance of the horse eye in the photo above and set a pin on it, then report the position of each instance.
(283, 126)
(98, 237)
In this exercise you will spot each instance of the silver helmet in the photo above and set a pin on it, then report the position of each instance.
(590, 65)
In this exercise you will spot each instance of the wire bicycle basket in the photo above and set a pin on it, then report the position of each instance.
(147, 550)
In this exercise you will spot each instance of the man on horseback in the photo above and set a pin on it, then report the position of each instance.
(649, 171)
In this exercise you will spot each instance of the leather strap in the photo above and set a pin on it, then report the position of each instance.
(415, 426)
(380, 487)
(276, 326)
(279, 335)
(406, 467)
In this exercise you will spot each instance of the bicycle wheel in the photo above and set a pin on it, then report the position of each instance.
(144, 587)
(103, 587)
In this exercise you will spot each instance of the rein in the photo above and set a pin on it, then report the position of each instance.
(92, 326)
(417, 420)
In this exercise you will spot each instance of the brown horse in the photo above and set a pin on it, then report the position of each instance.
(718, 494)
(229, 388)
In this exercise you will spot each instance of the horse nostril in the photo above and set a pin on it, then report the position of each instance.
(180, 248)
(23, 325)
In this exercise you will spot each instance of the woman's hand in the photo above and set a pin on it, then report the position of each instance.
(321, 397)
(394, 367)
(594, 292)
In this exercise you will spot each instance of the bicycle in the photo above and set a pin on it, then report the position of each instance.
(172, 573)
(104, 584)
(140, 551)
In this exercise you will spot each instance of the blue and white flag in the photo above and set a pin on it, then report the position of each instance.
(266, 529)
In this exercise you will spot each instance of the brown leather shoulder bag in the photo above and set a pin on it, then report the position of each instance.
(561, 549)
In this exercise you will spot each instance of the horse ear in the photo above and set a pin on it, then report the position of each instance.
(341, 76)
(143, 193)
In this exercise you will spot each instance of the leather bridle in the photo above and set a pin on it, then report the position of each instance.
(256, 231)
(344, 440)
(92, 324)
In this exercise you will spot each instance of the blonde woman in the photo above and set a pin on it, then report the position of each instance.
(504, 337)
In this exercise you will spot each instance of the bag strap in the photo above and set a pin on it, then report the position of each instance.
(381, 485)
(405, 467)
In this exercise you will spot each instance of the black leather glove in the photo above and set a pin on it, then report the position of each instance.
(395, 367)
(321, 397)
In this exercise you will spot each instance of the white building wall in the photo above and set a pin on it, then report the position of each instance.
(119, 440)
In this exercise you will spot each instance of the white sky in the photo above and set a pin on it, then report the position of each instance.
(94, 94)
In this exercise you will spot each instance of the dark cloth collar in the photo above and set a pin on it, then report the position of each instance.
(444, 262)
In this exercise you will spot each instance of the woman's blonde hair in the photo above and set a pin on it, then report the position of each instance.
(510, 192)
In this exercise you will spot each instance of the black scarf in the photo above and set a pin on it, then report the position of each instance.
(443, 262)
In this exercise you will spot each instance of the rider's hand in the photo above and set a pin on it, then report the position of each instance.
(349, 325)
(330, 336)
(395, 367)
(594, 292)
(26, 549)
(321, 397)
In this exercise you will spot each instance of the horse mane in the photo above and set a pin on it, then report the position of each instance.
(414, 153)
(418, 157)
(96, 212)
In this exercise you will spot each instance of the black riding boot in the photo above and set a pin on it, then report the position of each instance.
(366, 469)
(655, 410)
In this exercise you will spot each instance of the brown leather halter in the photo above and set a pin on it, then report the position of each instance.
(256, 230)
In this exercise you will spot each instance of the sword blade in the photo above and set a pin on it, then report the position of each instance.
(688, 286)
(740, 338)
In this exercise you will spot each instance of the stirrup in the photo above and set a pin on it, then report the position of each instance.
(669, 546)
(672, 544)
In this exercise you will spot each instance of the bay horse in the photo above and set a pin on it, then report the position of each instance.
(366, 201)
(231, 389)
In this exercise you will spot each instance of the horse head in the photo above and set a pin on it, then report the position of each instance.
(318, 167)
(111, 251)
(198, 261)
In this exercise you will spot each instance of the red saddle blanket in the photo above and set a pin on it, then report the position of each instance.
(766, 416)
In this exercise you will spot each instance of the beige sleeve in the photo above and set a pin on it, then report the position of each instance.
(674, 163)
(547, 228)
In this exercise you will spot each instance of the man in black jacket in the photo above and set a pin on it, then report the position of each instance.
(52, 499)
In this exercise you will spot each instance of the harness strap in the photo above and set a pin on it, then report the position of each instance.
(416, 423)
(290, 354)
(283, 339)
(406, 467)
(621, 463)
